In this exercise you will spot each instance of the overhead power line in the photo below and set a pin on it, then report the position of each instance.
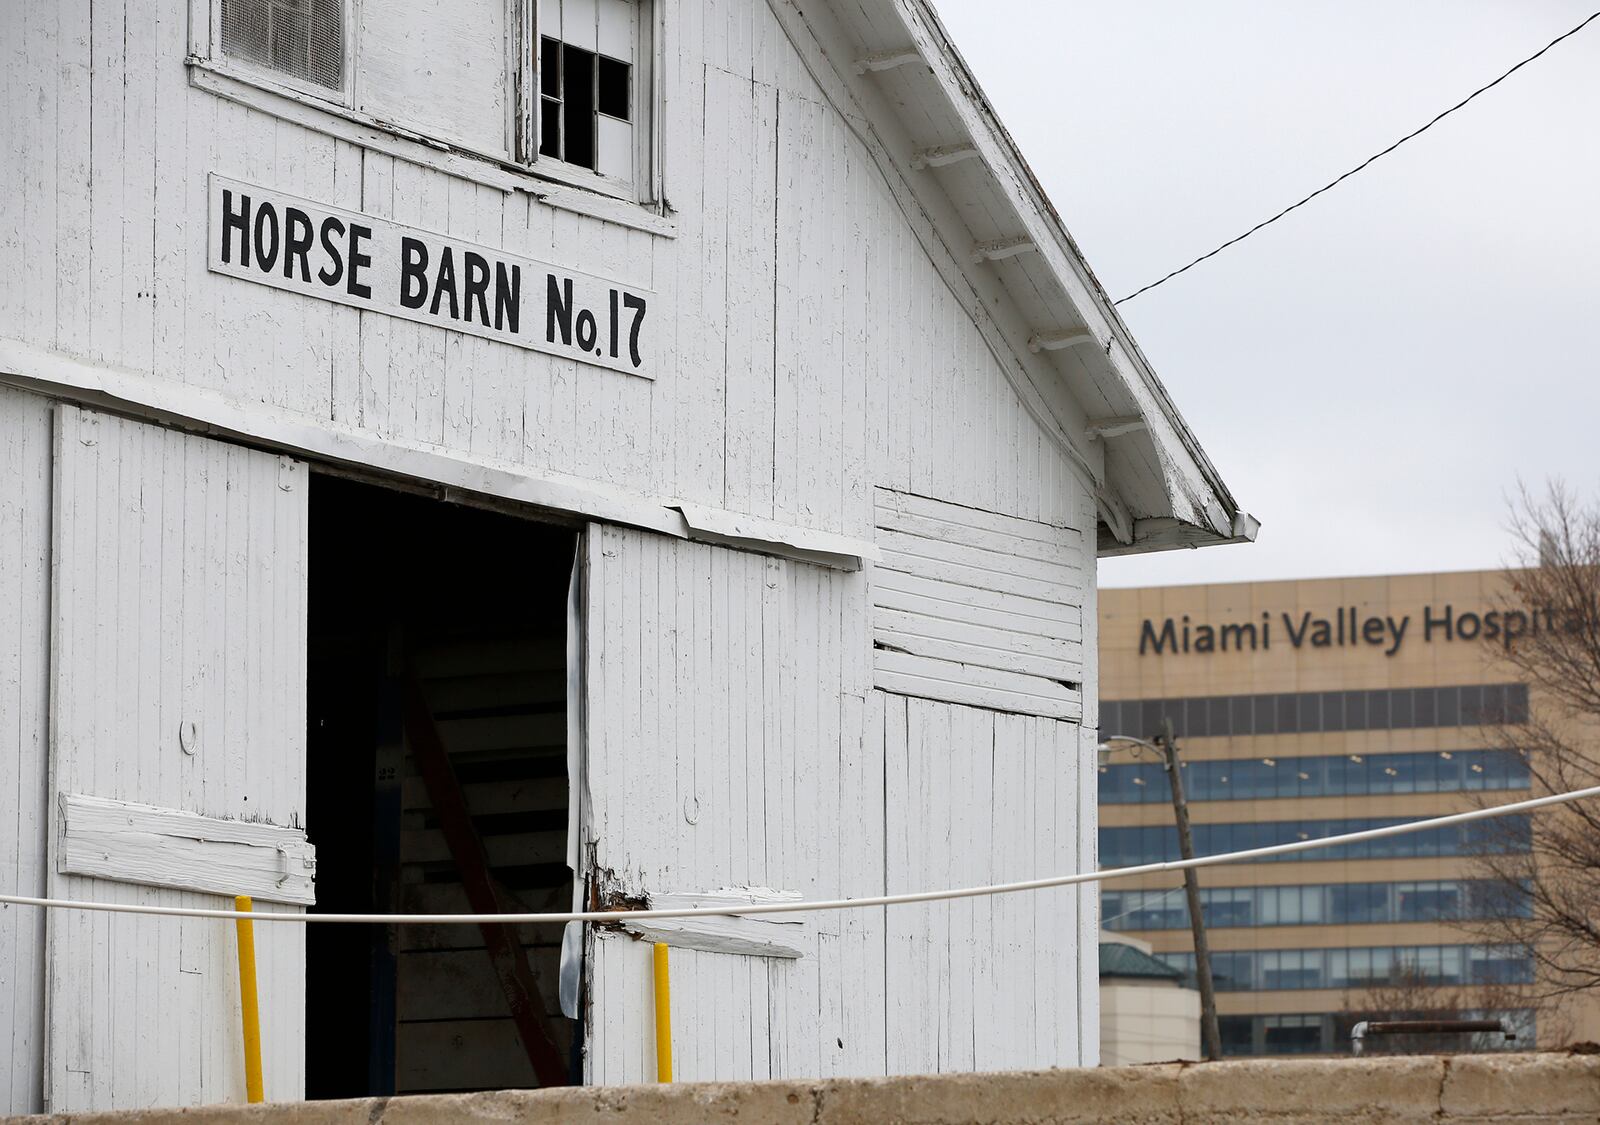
(801, 906)
(1369, 160)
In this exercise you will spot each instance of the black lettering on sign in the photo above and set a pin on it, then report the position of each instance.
(637, 305)
(358, 261)
(296, 242)
(477, 286)
(331, 273)
(413, 268)
(445, 282)
(266, 248)
(587, 331)
(235, 221)
(613, 324)
(507, 297)
(561, 318)
(372, 263)
(558, 311)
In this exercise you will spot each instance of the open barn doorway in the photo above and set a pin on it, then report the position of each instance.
(437, 781)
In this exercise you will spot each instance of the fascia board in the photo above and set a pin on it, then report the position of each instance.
(1193, 482)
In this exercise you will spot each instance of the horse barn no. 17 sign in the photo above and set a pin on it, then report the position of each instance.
(371, 263)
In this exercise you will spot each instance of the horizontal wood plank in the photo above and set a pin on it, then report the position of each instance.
(958, 691)
(991, 558)
(981, 578)
(161, 847)
(754, 935)
(945, 608)
(890, 504)
(1065, 552)
(928, 678)
(977, 607)
(979, 655)
(1066, 646)
(994, 678)
(956, 593)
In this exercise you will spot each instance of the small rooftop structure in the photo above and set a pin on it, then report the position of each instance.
(1147, 1013)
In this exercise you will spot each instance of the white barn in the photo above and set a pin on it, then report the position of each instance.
(542, 452)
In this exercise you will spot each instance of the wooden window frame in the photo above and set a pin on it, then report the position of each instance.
(645, 187)
(205, 41)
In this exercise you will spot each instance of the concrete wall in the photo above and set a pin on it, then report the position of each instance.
(1544, 1089)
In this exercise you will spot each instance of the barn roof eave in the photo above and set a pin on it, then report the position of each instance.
(1155, 486)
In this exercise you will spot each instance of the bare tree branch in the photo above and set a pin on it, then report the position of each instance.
(1553, 589)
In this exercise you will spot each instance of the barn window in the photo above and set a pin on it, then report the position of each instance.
(588, 61)
(563, 88)
(303, 39)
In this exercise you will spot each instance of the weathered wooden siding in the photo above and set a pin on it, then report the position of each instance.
(812, 352)
(25, 440)
(787, 770)
(726, 724)
(812, 349)
(977, 797)
(178, 599)
(973, 607)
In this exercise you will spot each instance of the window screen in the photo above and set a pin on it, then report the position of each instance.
(301, 38)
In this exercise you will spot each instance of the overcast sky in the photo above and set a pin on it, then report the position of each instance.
(1372, 374)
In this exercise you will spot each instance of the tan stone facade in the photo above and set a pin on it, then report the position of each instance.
(1406, 705)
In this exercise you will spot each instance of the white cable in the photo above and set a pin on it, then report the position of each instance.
(744, 910)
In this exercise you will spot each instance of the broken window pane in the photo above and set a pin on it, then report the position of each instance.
(550, 128)
(614, 95)
(577, 95)
(588, 114)
(550, 67)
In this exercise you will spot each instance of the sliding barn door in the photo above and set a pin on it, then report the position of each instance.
(177, 760)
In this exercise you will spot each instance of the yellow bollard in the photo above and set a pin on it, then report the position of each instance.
(663, 1017)
(249, 1003)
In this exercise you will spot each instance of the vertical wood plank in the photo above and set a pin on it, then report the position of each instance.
(71, 174)
(106, 209)
(231, 626)
(142, 127)
(376, 355)
(28, 232)
(25, 459)
(751, 163)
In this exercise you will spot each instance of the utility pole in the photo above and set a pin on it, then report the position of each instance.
(1210, 1037)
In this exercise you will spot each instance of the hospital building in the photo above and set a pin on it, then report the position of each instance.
(1316, 708)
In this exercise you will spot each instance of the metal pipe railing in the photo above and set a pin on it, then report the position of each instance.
(1361, 1031)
